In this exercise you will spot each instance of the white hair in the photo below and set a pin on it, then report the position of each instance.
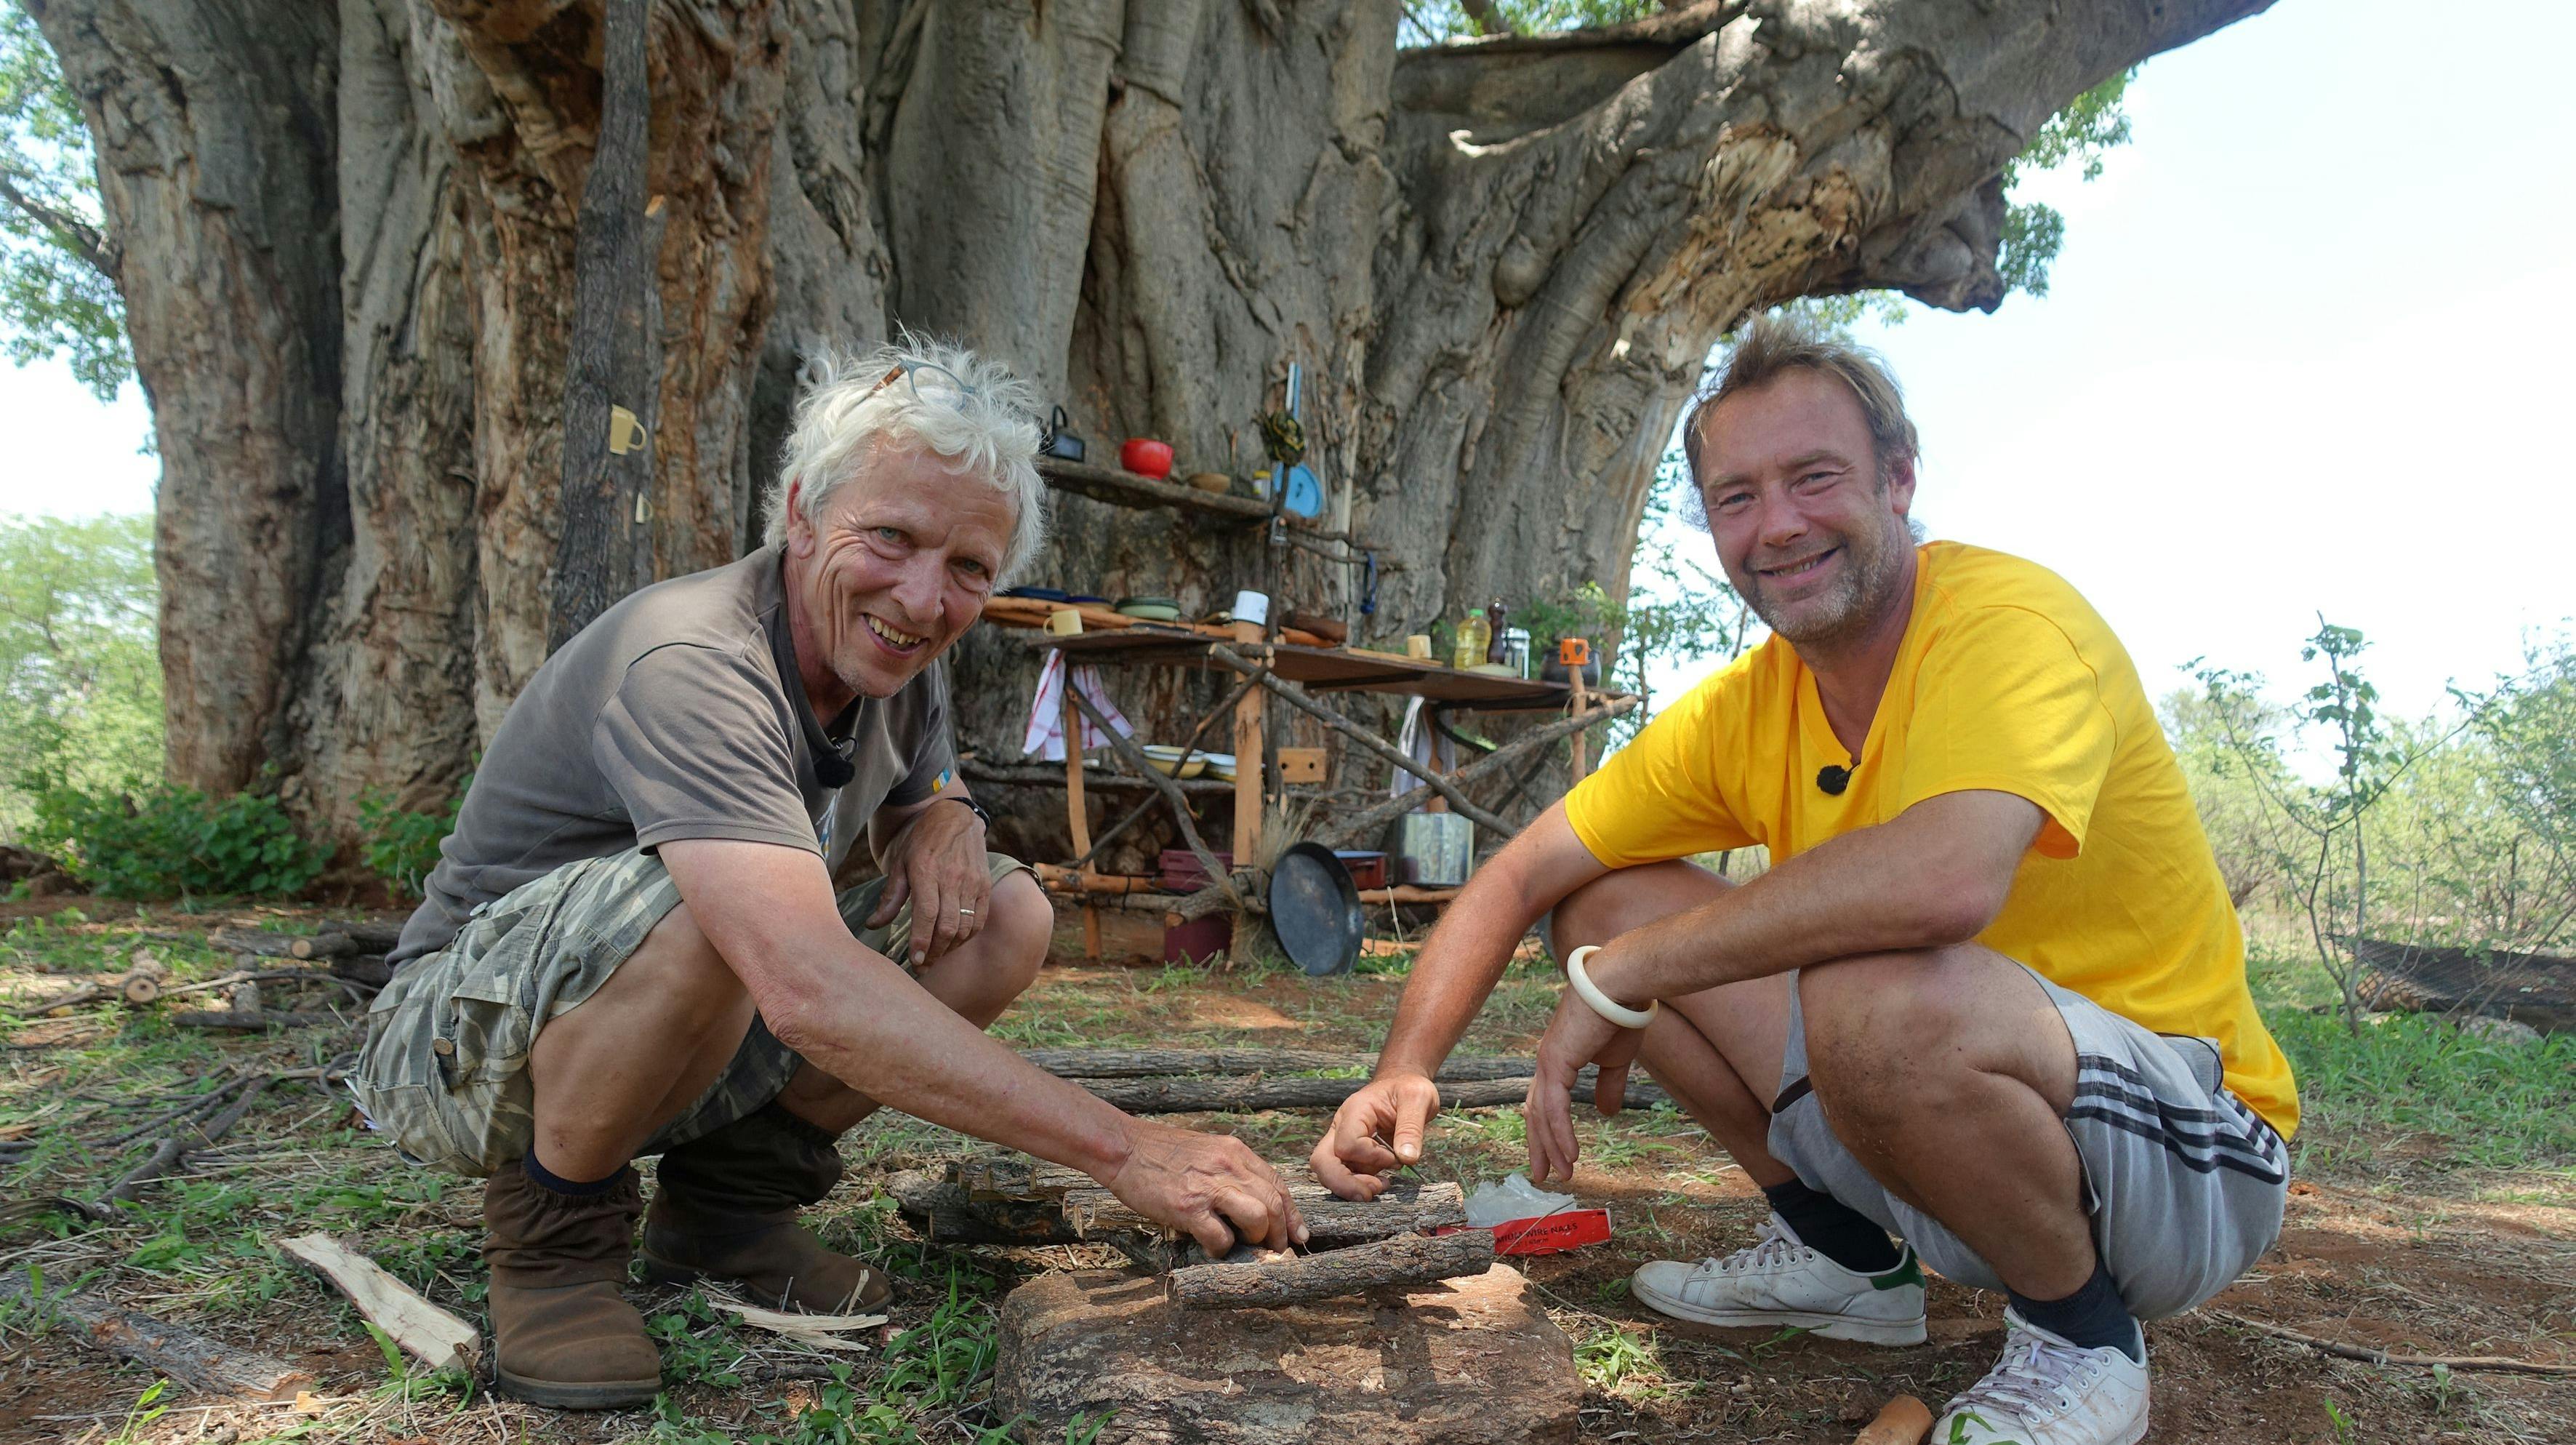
(988, 431)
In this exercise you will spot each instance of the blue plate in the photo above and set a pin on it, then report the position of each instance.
(1305, 494)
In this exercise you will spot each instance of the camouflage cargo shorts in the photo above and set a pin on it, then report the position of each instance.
(444, 1072)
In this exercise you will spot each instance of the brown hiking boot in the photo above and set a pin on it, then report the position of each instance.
(562, 1335)
(726, 1211)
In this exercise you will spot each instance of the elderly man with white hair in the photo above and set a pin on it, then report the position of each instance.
(631, 945)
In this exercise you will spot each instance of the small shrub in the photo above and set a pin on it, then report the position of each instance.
(401, 845)
(162, 840)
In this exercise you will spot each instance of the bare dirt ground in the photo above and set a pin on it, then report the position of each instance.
(2394, 1241)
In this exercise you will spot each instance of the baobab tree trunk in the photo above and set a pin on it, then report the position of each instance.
(1499, 263)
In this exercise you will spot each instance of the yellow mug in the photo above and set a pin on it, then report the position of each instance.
(625, 431)
(1418, 645)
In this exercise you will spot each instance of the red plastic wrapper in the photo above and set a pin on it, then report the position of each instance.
(1546, 1233)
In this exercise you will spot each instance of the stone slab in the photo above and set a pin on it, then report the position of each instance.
(1462, 1360)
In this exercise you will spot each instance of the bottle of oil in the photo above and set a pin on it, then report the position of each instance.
(1475, 638)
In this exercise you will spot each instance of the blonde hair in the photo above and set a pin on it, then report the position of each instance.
(1779, 343)
(985, 424)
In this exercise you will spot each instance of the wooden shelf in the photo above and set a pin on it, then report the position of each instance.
(1326, 669)
(1051, 775)
(1126, 489)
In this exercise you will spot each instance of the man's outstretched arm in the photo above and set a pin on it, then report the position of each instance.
(1381, 1126)
(1934, 875)
(852, 1013)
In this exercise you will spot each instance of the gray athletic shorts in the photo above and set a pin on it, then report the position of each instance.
(2184, 1183)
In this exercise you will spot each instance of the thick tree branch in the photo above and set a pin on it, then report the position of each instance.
(70, 232)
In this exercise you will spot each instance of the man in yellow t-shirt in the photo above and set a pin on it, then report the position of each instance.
(1990, 995)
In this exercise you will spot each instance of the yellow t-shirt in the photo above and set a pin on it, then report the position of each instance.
(2007, 681)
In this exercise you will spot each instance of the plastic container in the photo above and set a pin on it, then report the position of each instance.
(1475, 638)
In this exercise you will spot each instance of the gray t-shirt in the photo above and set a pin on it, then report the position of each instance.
(672, 717)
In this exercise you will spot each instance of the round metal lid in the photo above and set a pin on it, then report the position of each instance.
(1315, 910)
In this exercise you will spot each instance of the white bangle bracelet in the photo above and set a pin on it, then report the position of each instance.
(1602, 1003)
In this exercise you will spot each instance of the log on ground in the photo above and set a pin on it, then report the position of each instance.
(1331, 1223)
(1406, 1259)
(944, 1213)
(194, 1361)
(1248, 1095)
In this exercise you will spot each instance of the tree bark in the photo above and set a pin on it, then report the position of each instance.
(347, 240)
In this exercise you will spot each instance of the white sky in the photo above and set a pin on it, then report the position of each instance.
(2302, 352)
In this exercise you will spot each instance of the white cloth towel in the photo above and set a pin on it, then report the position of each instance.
(1045, 734)
(1423, 743)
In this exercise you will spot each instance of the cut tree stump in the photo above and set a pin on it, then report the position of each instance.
(424, 1331)
(1464, 1360)
(1406, 1259)
(194, 1361)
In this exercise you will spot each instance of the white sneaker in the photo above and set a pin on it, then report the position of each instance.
(1780, 1281)
(2046, 1391)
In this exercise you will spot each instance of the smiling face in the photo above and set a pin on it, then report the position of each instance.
(897, 565)
(1809, 532)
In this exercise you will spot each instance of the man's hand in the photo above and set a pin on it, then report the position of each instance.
(1377, 1129)
(1575, 1036)
(1211, 1185)
(938, 863)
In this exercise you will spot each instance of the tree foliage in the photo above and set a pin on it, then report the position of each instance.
(58, 291)
(80, 683)
(2451, 832)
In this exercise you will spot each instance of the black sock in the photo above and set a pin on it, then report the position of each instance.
(1832, 1228)
(573, 1188)
(2090, 1318)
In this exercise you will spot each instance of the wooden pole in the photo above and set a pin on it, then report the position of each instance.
(1247, 760)
(1078, 812)
(1368, 823)
(1581, 700)
(1296, 697)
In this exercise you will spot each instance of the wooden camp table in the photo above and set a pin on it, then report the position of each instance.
(1265, 662)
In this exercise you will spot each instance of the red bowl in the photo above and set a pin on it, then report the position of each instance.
(1146, 457)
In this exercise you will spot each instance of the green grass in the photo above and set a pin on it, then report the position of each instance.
(2450, 1097)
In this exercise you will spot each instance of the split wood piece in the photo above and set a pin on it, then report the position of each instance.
(367, 969)
(1901, 1421)
(1296, 697)
(1097, 1214)
(1301, 1279)
(86, 993)
(251, 1022)
(1241, 1096)
(2502, 1364)
(944, 1213)
(172, 1153)
(1134, 757)
(195, 1361)
(243, 997)
(1373, 821)
(424, 1331)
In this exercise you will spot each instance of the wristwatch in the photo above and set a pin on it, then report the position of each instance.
(971, 806)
